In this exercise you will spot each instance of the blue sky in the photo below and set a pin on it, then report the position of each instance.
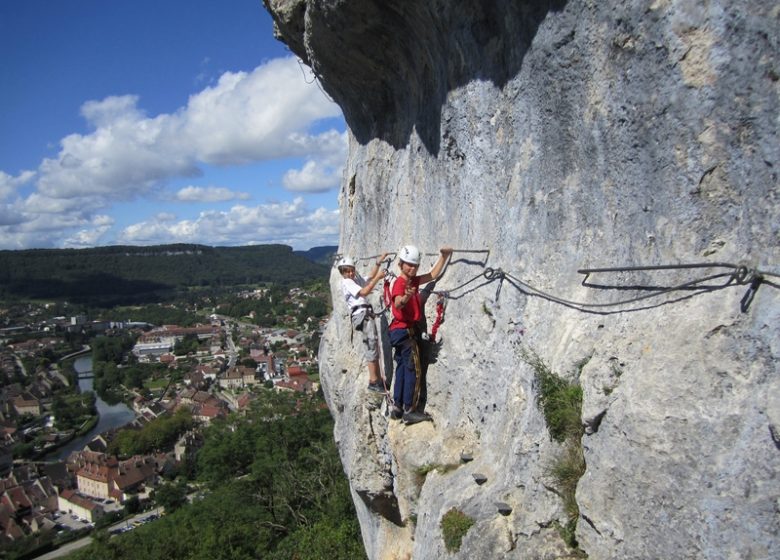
(147, 122)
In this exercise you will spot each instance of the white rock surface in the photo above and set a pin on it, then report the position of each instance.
(560, 136)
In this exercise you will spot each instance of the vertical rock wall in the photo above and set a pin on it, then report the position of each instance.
(554, 136)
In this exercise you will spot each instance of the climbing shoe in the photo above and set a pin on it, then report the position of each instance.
(414, 416)
(396, 413)
(377, 387)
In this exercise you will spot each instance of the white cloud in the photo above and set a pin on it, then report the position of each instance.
(209, 194)
(291, 223)
(126, 156)
(313, 177)
(9, 184)
(89, 237)
(48, 230)
(244, 117)
(10, 216)
(323, 170)
(112, 111)
(255, 116)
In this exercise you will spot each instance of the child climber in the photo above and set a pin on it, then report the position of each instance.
(356, 289)
(405, 332)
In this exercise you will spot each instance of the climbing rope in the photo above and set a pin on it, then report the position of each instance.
(738, 275)
(735, 275)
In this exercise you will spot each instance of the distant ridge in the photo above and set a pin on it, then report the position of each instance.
(321, 255)
(135, 274)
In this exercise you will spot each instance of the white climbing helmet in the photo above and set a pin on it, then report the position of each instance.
(345, 261)
(409, 254)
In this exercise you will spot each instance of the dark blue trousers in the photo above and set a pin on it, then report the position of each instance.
(408, 370)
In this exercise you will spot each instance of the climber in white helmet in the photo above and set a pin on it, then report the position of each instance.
(405, 332)
(356, 289)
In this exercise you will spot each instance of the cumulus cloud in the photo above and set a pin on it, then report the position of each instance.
(244, 117)
(256, 116)
(313, 177)
(209, 194)
(49, 230)
(10, 216)
(9, 184)
(91, 236)
(290, 223)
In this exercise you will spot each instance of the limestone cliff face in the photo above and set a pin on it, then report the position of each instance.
(562, 135)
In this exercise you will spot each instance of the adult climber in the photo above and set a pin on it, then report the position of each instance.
(406, 330)
(356, 289)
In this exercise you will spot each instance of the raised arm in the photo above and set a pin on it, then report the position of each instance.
(376, 275)
(444, 254)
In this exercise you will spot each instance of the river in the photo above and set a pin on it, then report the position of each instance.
(111, 416)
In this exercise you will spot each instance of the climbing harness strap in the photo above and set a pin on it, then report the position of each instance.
(414, 342)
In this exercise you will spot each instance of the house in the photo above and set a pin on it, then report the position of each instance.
(202, 397)
(107, 478)
(298, 384)
(167, 359)
(81, 506)
(42, 494)
(27, 404)
(161, 340)
(98, 444)
(18, 501)
(23, 506)
(206, 413)
(243, 401)
(95, 480)
(138, 403)
(295, 371)
(132, 475)
(233, 379)
(185, 396)
(11, 530)
(152, 410)
(249, 376)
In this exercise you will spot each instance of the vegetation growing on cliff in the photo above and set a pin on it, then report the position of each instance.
(561, 403)
(454, 526)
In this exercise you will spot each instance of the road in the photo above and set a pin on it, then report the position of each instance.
(66, 549)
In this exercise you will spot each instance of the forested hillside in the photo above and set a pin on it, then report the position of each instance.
(123, 274)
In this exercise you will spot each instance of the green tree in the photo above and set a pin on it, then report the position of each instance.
(171, 496)
(133, 505)
(158, 435)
